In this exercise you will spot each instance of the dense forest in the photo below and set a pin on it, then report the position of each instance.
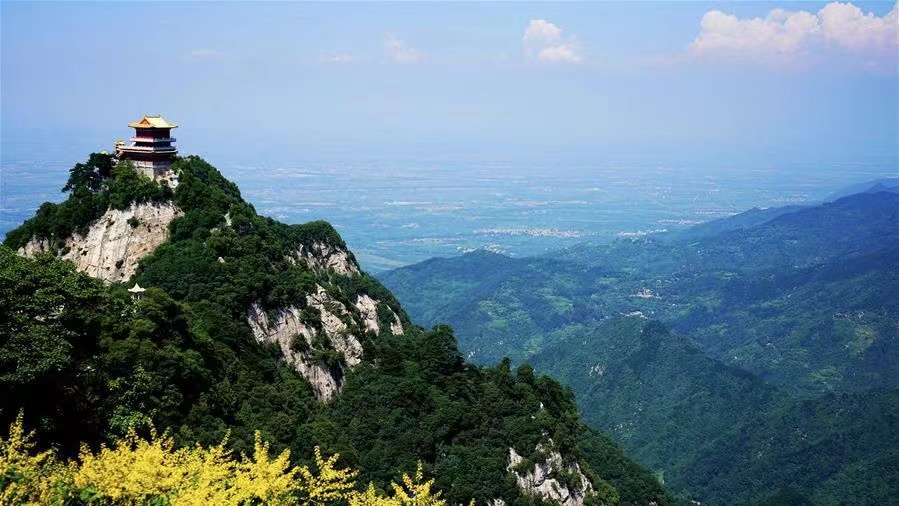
(88, 363)
(720, 433)
(784, 298)
(778, 377)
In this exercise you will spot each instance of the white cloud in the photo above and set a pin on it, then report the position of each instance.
(541, 31)
(337, 58)
(786, 37)
(846, 25)
(400, 52)
(563, 53)
(545, 42)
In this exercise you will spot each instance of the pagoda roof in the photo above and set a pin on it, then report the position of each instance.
(152, 122)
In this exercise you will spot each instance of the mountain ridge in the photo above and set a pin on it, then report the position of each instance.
(211, 347)
(796, 304)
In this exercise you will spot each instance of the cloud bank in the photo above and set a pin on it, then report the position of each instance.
(400, 52)
(545, 42)
(785, 37)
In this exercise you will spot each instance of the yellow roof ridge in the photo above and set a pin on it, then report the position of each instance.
(152, 121)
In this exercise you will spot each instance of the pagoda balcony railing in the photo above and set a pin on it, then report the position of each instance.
(149, 149)
(153, 139)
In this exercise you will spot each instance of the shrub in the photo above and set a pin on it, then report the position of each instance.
(136, 470)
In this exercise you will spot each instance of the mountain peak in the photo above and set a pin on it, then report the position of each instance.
(124, 219)
(249, 324)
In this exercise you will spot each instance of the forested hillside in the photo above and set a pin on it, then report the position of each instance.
(778, 316)
(246, 325)
(720, 434)
(807, 300)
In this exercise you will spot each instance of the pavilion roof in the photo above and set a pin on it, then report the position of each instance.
(152, 122)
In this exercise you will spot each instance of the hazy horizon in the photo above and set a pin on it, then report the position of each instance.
(492, 116)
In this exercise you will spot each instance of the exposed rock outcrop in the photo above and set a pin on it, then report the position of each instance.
(543, 480)
(323, 258)
(288, 327)
(116, 242)
(368, 309)
(333, 323)
(396, 328)
(34, 246)
(336, 330)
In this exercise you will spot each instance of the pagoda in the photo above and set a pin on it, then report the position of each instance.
(150, 150)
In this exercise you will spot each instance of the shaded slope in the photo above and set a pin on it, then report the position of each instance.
(719, 435)
(653, 391)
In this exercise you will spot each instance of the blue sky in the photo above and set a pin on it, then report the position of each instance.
(332, 78)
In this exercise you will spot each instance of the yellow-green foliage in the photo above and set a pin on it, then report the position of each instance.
(329, 485)
(417, 491)
(138, 471)
(27, 477)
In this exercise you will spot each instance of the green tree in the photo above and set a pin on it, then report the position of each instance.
(90, 175)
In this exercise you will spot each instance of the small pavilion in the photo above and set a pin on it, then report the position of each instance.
(136, 291)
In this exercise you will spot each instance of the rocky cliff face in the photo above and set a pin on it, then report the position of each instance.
(326, 325)
(368, 310)
(320, 339)
(309, 337)
(116, 242)
(544, 480)
(324, 258)
(294, 338)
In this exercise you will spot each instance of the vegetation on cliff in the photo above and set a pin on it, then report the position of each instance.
(89, 362)
(93, 187)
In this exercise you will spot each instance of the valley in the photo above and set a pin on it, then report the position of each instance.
(778, 319)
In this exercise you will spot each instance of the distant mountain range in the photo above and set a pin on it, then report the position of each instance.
(789, 298)
(889, 184)
(779, 378)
